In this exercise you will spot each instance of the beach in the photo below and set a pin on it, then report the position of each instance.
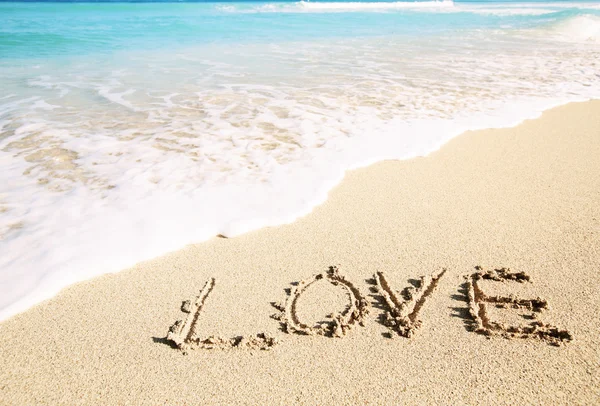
(525, 198)
(128, 131)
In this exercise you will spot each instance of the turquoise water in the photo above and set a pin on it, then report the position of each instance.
(128, 130)
(52, 29)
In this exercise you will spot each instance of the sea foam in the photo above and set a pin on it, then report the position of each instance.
(578, 28)
(317, 6)
(112, 158)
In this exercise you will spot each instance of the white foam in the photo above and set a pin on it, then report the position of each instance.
(578, 28)
(117, 97)
(520, 9)
(320, 7)
(510, 9)
(131, 162)
(506, 11)
(403, 5)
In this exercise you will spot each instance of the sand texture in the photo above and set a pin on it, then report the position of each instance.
(468, 277)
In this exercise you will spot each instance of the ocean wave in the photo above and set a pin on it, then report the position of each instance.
(503, 12)
(574, 28)
(307, 6)
(375, 5)
(514, 9)
(579, 28)
(105, 162)
(110, 164)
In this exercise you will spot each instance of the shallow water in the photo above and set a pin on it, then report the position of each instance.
(130, 130)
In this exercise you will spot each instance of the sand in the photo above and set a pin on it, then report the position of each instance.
(267, 321)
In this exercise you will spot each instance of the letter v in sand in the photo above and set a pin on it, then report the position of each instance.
(184, 335)
(402, 315)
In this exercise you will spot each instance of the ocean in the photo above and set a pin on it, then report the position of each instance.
(131, 129)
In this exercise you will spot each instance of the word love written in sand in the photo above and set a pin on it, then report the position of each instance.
(401, 312)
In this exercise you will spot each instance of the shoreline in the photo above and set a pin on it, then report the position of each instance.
(526, 197)
(61, 274)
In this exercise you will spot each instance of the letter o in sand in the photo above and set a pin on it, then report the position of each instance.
(342, 322)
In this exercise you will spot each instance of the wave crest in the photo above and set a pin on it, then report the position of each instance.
(374, 6)
(308, 6)
(578, 28)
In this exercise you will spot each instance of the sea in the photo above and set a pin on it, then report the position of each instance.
(132, 129)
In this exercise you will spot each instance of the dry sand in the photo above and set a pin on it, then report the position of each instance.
(526, 198)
